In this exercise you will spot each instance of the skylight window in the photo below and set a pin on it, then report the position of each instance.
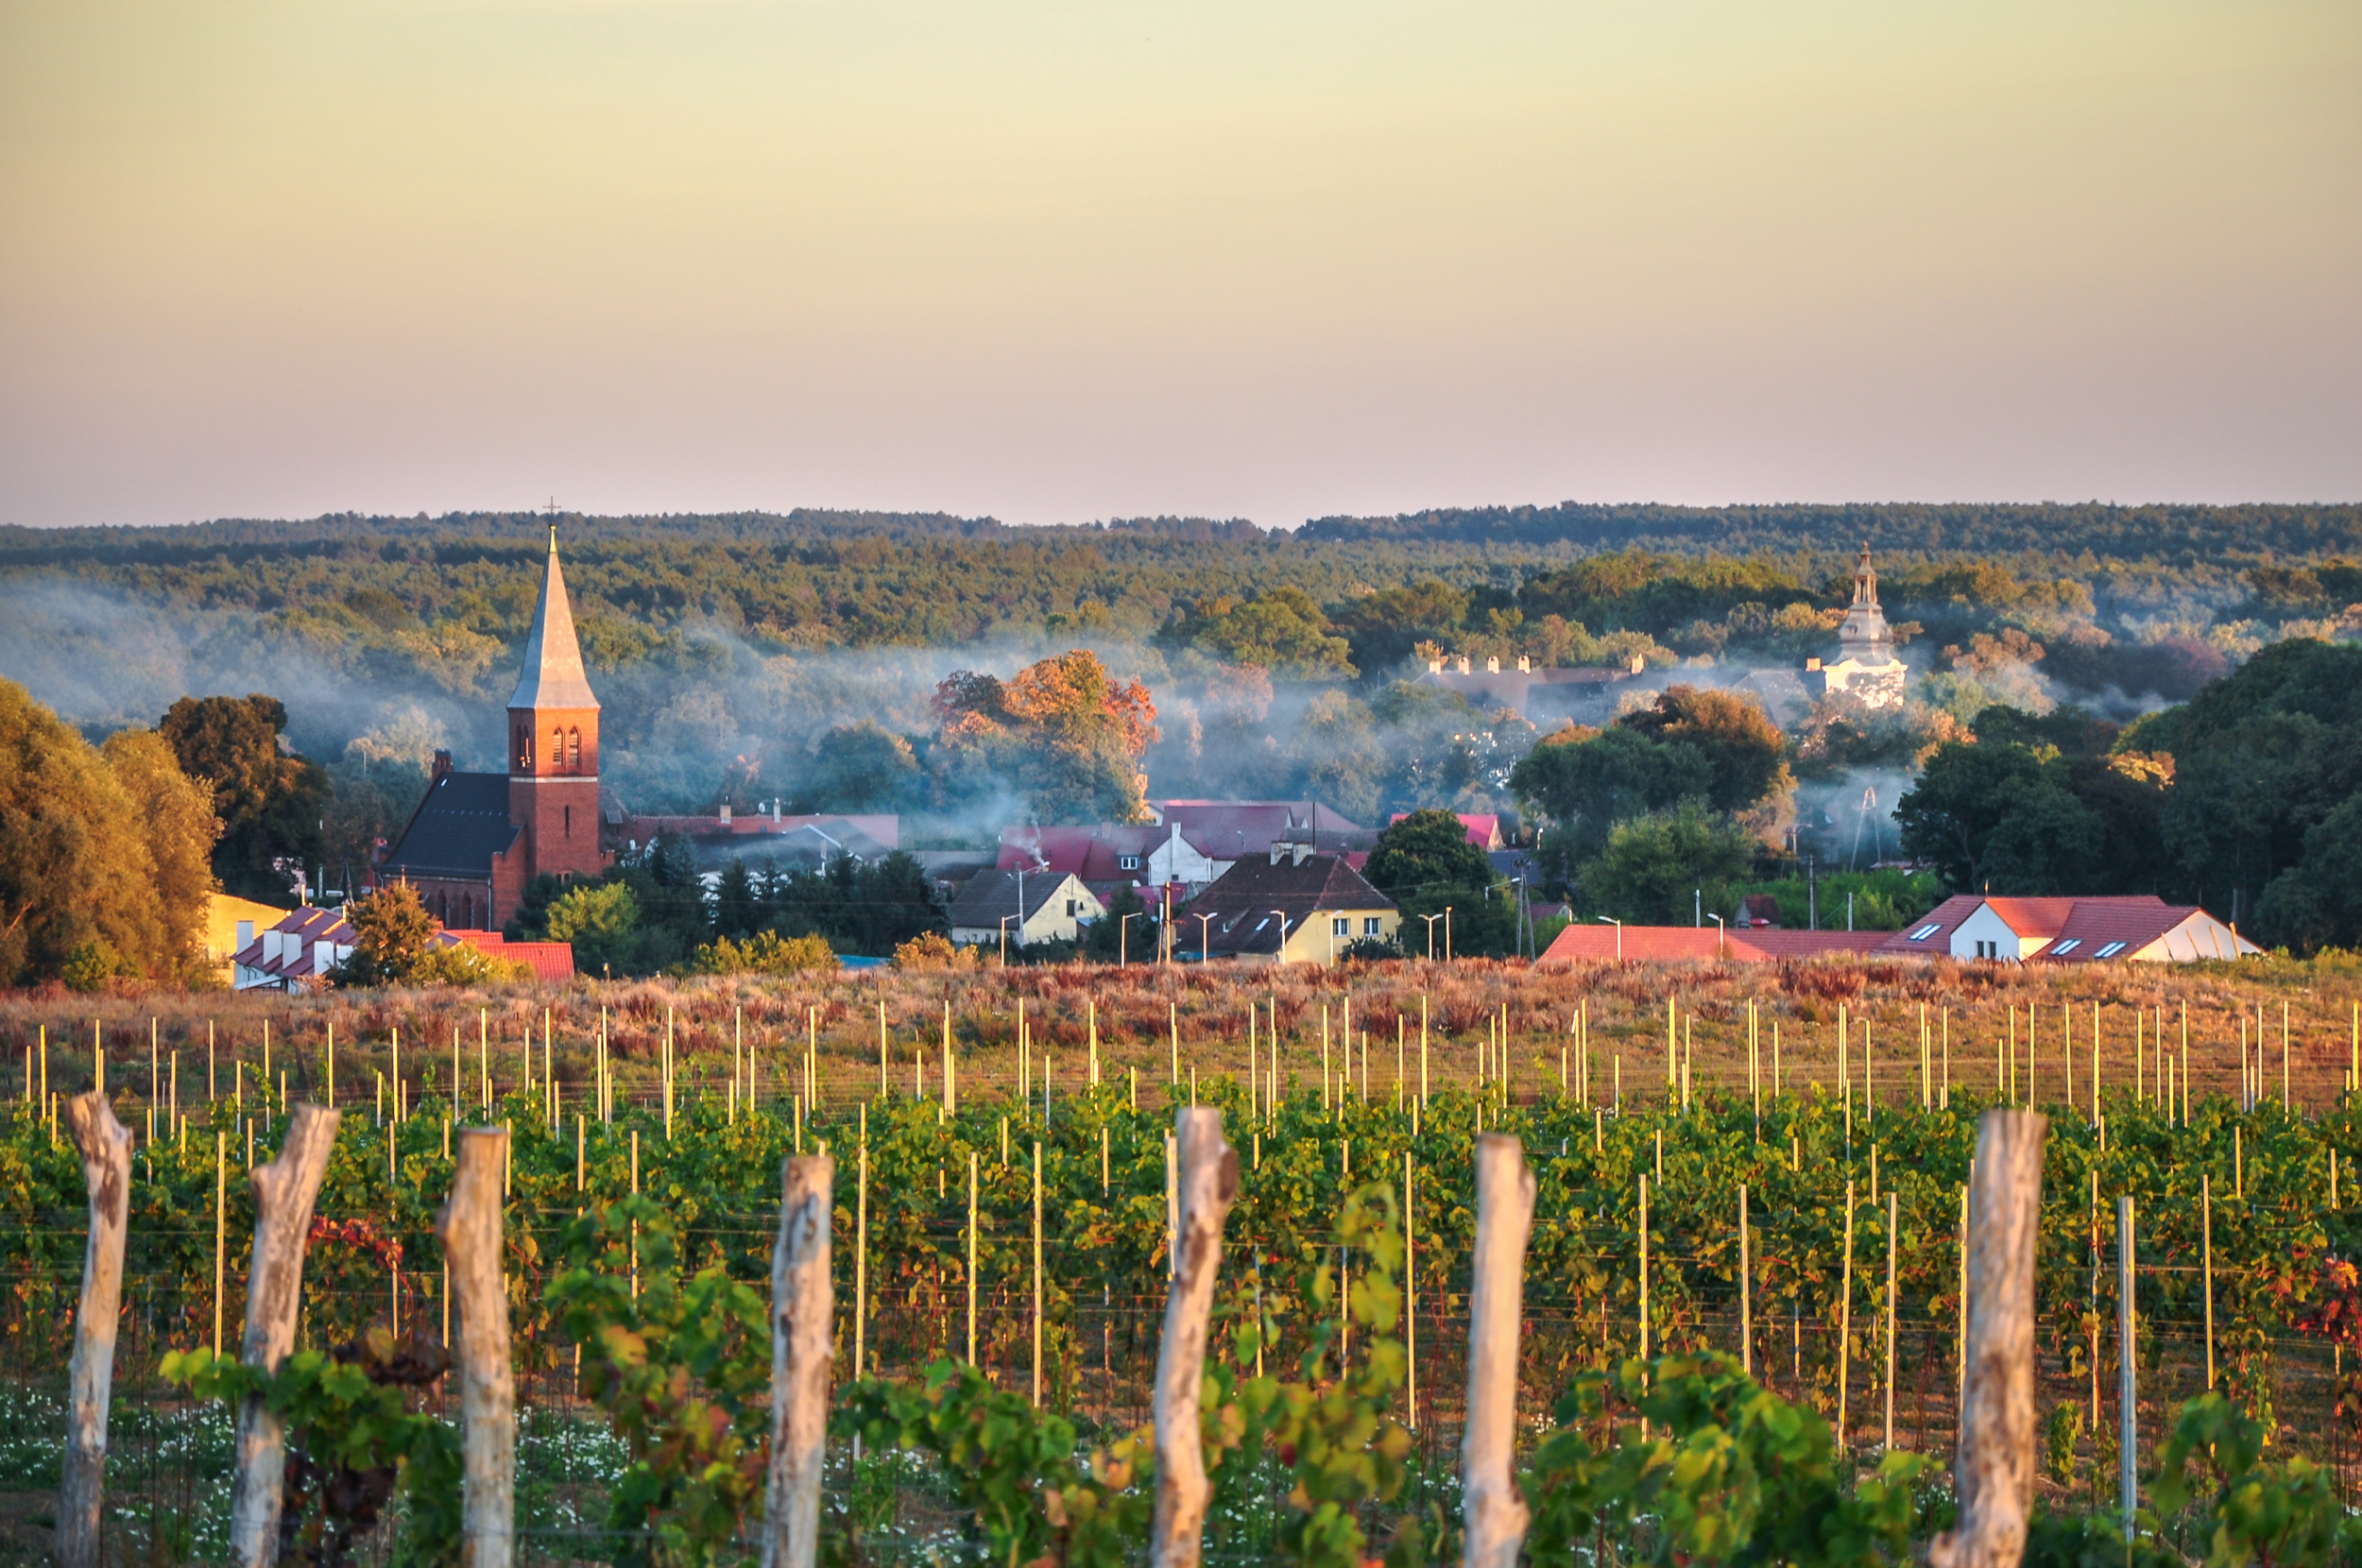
(2109, 951)
(2068, 945)
(1927, 930)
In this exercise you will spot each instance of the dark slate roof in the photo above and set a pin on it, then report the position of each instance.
(1243, 898)
(991, 896)
(458, 828)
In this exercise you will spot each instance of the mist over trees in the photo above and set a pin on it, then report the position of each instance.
(806, 657)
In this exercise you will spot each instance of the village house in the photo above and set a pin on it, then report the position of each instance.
(297, 952)
(2136, 927)
(1289, 905)
(1027, 907)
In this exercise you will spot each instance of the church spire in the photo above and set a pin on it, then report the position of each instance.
(553, 676)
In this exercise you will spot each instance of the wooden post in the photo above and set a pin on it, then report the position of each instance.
(470, 1229)
(1889, 1443)
(1410, 1304)
(800, 1350)
(1495, 1514)
(2128, 1387)
(1995, 1470)
(1746, 1297)
(283, 1193)
(1036, 1360)
(1209, 1179)
(106, 1146)
(1846, 1324)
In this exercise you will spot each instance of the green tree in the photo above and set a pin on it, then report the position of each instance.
(1426, 864)
(392, 935)
(2316, 903)
(1110, 939)
(862, 767)
(1281, 630)
(1949, 815)
(1745, 756)
(1656, 869)
(270, 801)
(601, 921)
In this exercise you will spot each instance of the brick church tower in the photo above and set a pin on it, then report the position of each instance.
(477, 839)
(554, 745)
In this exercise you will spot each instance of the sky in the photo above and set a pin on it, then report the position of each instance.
(1276, 259)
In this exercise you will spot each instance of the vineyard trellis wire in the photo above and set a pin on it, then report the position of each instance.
(2242, 1188)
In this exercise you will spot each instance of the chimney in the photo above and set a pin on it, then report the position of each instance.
(1492, 665)
(1524, 665)
(1811, 664)
(725, 813)
(442, 768)
(1464, 664)
(1435, 666)
(1637, 664)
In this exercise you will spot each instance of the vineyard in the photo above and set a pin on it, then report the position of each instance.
(1765, 1165)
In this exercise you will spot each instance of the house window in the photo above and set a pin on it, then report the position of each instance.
(2109, 951)
(1341, 926)
(1927, 930)
(1070, 909)
(1127, 863)
(2068, 945)
(1370, 925)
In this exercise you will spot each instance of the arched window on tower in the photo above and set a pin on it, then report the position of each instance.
(525, 748)
(557, 748)
(574, 750)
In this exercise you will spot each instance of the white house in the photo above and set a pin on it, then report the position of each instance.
(2070, 931)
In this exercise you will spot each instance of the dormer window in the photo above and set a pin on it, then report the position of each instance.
(1127, 863)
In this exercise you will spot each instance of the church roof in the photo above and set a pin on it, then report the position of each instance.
(553, 676)
(458, 828)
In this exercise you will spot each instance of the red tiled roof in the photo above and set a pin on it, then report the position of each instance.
(1599, 942)
(1091, 853)
(2102, 928)
(2029, 918)
(548, 960)
(1484, 828)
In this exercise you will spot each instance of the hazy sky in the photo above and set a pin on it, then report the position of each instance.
(1279, 259)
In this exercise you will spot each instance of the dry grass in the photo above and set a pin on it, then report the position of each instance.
(1136, 1010)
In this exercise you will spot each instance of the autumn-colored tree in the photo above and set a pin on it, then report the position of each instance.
(1061, 732)
(101, 856)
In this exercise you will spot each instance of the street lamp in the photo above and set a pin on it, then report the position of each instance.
(1430, 920)
(1282, 954)
(1447, 933)
(1123, 935)
(1204, 937)
(1718, 930)
(1620, 935)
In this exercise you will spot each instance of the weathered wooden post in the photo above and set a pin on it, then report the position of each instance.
(106, 1146)
(1494, 1512)
(283, 1193)
(800, 1331)
(1995, 1470)
(469, 1230)
(1207, 1180)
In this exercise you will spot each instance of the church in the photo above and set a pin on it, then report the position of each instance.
(1865, 666)
(478, 839)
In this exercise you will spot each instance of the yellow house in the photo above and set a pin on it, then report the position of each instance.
(1289, 907)
(230, 925)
